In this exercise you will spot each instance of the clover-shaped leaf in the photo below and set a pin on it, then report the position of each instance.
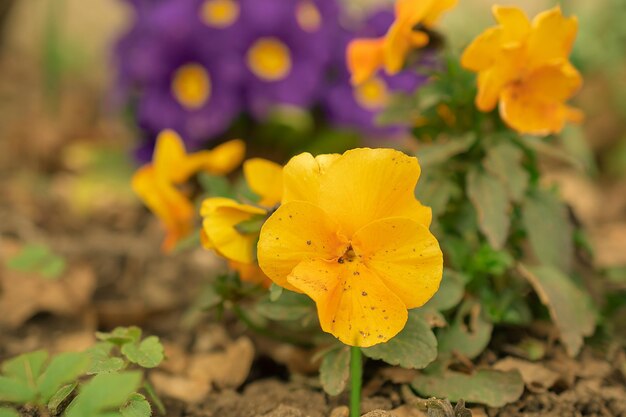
(148, 353)
(101, 359)
(136, 406)
(121, 335)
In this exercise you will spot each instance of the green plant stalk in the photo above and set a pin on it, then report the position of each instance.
(356, 380)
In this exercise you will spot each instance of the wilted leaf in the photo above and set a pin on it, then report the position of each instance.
(101, 359)
(63, 368)
(61, 395)
(489, 197)
(227, 369)
(549, 231)
(335, 370)
(105, 392)
(570, 307)
(492, 388)
(440, 151)
(504, 160)
(450, 291)
(414, 347)
(537, 377)
(468, 334)
(136, 406)
(147, 354)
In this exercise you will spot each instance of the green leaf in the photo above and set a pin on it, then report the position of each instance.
(275, 292)
(489, 197)
(436, 191)
(414, 347)
(104, 393)
(60, 396)
(136, 406)
(492, 388)
(504, 161)
(442, 151)
(570, 307)
(121, 335)
(38, 259)
(450, 291)
(26, 367)
(549, 231)
(252, 226)
(335, 370)
(290, 306)
(147, 354)
(8, 412)
(16, 391)
(215, 185)
(63, 368)
(468, 334)
(101, 359)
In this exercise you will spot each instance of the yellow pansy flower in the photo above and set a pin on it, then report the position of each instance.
(225, 220)
(351, 235)
(523, 67)
(366, 56)
(156, 183)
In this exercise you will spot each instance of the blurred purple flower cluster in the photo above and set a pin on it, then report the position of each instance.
(195, 65)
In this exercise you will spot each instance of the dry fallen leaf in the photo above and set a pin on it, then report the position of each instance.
(228, 369)
(180, 387)
(25, 294)
(407, 411)
(536, 377)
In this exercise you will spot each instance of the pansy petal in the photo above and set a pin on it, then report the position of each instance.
(551, 38)
(174, 210)
(514, 23)
(364, 58)
(411, 12)
(365, 185)
(250, 273)
(353, 304)
(297, 231)
(556, 82)
(169, 154)
(221, 216)
(483, 51)
(301, 176)
(404, 255)
(265, 178)
(493, 80)
(399, 41)
(220, 160)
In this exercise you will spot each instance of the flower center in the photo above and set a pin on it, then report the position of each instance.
(348, 256)
(219, 13)
(269, 59)
(308, 16)
(191, 86)
(372, 94)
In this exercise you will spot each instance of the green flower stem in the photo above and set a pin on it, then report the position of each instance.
(356, 380)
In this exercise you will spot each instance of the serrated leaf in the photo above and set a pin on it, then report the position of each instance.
(335, 370)
(490, 199)
(16, 391)
(8, 412)
(570, 307)
(290, 306)
(121, 335)
(442, 151)
(549, 231)
(26, 367)
(61, 395)
(450, 291)
(469, 333)
(104, 394)
(63, 368)
(504, 160)
(102, 361)
(492, 388)
(414, 347)
(136, 406)
(147, 354)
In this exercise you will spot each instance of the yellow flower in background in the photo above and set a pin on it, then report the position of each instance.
(231, 228)
(351, 235)
(156, 183)
(523, 67)
(366, 56)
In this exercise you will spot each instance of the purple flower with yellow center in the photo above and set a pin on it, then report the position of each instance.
(182, 57)
(358, 106)
(287, 47)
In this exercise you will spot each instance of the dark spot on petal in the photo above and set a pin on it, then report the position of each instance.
(308, 242)
(363, 293)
